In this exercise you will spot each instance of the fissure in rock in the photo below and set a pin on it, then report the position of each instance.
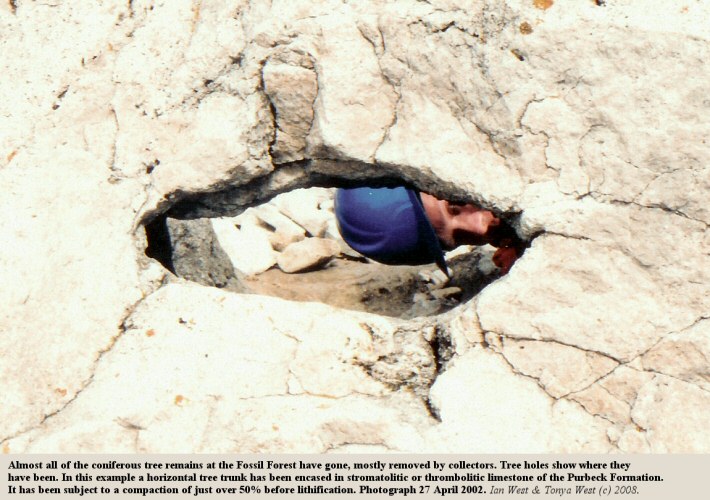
(290, 247)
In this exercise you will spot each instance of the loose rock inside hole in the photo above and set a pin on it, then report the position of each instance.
(290, 247)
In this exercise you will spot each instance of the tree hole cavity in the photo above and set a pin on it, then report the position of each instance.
(290, 247)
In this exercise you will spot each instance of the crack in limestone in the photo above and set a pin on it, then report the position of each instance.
(514, 369)
(663, 338)
(537, 379)
(131, 427)
(288, 391)
(658, 175)
(594, 414)
(657, 372)
(335, 447)
(524, 112)
(581, 162)
(555, 341)
(566, 236)
(639, 428)
(490, 134)
(570, 395)
(627, 364)
(114, 147)
(626, 253)
(122, 329)
(656, 206)
(541, 132)
(426, 22)
(626, 403)
(273, 112)
(395, 88)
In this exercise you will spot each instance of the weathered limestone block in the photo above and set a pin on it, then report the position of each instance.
(285, 230)
(450, 149)
(62, 300)
(610, 293)
(307, 254)
(292, 91)
(248, 247)
(564, 128)
(303, 207)
(346, 127)
(598, 401)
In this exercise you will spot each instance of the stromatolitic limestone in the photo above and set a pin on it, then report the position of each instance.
(481, 401)
(600, 142)
(210, 363)
(611, 293)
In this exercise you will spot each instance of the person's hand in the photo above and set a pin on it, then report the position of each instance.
(504, 258)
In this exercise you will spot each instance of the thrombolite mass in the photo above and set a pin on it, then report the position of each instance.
(586, 124)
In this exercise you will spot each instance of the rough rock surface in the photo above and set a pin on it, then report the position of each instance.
(584, 124)
(307, 254)
(197, 255)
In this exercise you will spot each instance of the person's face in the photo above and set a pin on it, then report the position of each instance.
(457, 224)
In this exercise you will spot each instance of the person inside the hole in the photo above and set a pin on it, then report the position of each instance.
(402, 226)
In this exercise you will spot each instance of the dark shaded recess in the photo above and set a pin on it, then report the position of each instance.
(466, 276)
(159, 245)
(190, 249)
(232, 201)
(197, 255)
(443, 350)
(433, 411)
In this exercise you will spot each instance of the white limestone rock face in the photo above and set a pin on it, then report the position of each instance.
(588, 122)
(482, 404)
(197, 364)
